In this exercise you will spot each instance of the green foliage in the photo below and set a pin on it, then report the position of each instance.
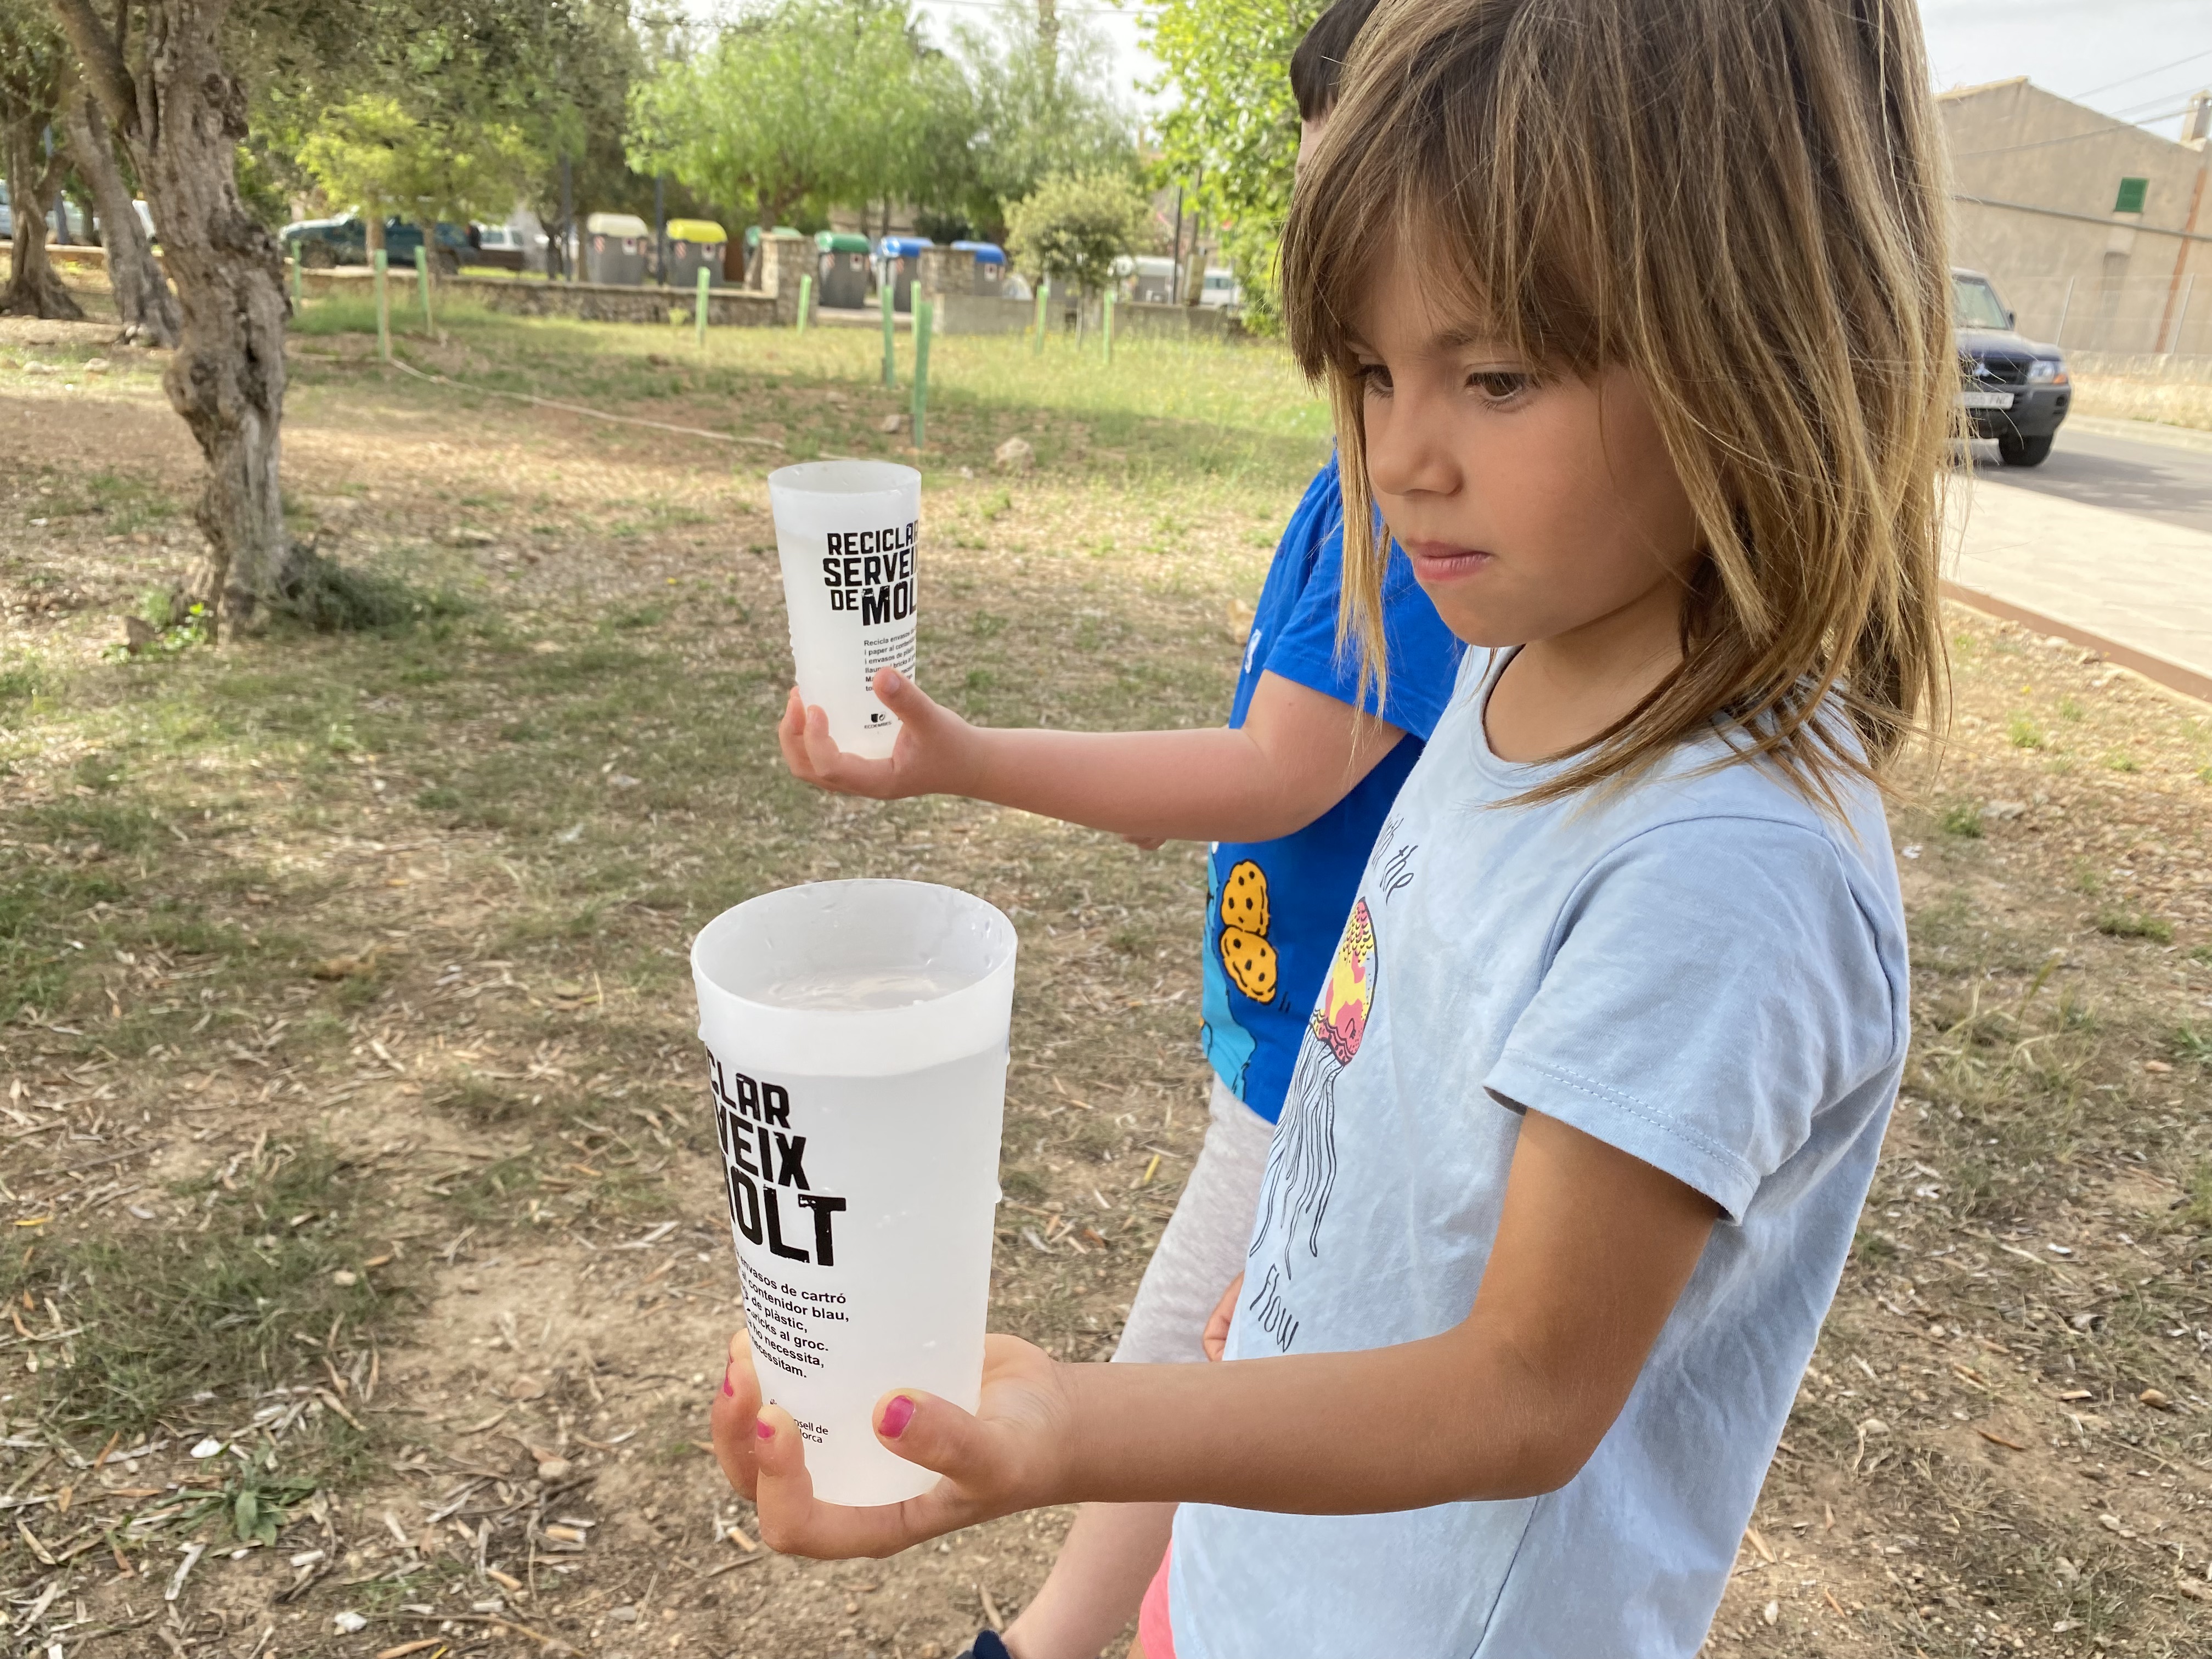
(1072, 229)
(1037, 106)
(2135, 924)
(336, 598)
(800, 105)
(1962, 818)
(819, 99)
(2024, 732)
(1231, 129)
(370, 151)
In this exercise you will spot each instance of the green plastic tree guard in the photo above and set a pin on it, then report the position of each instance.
(380, 265)
(891, 355)
(923, 314)
(699, 310)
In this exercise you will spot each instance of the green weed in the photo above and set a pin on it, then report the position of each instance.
(254, 1295)
(1962, 818)
(2024, 732)
(2135, 924)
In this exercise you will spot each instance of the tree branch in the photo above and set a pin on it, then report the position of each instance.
(101, 53)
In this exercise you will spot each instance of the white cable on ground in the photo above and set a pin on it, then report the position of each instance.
(590, 414)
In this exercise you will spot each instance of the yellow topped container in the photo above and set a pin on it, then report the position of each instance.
(696, 230)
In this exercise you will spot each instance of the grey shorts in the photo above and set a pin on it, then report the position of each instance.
(1203, 1246)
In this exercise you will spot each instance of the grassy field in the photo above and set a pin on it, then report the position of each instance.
(365, 1257)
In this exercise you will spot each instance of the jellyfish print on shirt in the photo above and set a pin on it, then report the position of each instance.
(1302, 1162)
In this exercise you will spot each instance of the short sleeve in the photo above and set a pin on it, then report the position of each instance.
(1713, 985)
(1422, 653)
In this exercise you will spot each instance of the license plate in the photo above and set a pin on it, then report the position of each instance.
(1985, 400)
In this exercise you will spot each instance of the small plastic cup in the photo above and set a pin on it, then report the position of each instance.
(845, 536)
(856, 1035)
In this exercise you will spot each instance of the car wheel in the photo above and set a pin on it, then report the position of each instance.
(445, 263)
(2024, 452)
(317, 256)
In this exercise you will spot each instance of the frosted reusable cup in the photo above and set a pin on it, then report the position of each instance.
(856, 1037)
(845, 536)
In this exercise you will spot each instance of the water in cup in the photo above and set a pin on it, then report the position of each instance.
(845, 534)
(856, 1036)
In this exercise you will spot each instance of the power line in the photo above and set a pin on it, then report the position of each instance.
(2141, 74)
(2071, 137)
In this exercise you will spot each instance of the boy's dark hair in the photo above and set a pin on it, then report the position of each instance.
(1317, 66)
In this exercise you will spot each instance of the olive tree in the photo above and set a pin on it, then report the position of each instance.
(33, 74)
(143, 304)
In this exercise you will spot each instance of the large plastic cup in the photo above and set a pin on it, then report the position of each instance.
(845, 536)
(856, 1035)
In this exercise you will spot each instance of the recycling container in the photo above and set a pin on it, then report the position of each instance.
(615, 246)
(694, 245)
(842, 279)
(899, 259)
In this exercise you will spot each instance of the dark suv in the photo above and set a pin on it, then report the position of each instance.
(2014, 390)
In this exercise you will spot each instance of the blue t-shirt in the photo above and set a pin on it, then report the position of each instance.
(1698, 969)
(1275, 907)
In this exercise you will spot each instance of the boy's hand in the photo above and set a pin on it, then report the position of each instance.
(1216, 1339)
(1007, 1457)
(931, 756)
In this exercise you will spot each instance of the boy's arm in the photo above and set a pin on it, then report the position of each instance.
(1593, 1249)
(1298, 753)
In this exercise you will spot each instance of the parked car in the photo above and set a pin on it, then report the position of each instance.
(79, 233)
(345, 241)
(1220, 288)
(500, 246)
(2013, 390)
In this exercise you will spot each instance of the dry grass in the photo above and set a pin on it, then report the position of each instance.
(384, 932)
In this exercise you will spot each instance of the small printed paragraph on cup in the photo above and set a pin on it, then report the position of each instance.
(845, 536)
(856, 1048)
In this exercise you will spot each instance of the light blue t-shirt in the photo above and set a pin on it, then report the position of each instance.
(1702, 970)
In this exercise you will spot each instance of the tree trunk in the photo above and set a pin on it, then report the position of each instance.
(33, 289)
(182, 114)
(144, 303)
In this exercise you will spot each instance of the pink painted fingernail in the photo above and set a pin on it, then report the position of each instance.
(761, 1431)
(726, 1389)
(897, 1416)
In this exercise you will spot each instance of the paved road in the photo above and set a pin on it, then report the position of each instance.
(2112, 535)
(2156, 479)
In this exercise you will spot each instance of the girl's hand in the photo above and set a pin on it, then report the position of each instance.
(1216, 1339)
(932, 756)
(1007, 1457)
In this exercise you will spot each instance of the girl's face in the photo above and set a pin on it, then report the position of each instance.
(1532, 506)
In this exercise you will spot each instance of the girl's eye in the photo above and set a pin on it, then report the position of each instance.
(1500, 386)
(1375, 378)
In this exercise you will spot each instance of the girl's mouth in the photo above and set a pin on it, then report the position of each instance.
(1440, 562)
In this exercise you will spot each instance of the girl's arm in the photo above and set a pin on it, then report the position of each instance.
(1298, 753)
(1593, 1248)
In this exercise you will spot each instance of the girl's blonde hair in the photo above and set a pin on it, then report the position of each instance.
(1741, 203)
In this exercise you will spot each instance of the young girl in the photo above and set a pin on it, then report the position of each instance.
(1635, 315)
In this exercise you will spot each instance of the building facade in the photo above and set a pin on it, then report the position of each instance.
(2097, 234)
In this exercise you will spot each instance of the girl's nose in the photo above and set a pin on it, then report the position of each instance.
(1407, 451)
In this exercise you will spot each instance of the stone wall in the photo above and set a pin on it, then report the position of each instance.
(590, 302)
